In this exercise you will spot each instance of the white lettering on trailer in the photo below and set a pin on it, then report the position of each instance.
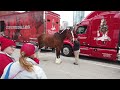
(106, 55)
(84, 48)
(18, 27)
(82, 37)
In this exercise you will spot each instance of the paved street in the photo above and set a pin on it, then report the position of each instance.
(88, 68)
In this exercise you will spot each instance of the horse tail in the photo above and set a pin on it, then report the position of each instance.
(40, 41)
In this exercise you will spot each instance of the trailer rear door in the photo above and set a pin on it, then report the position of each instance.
(52, 22)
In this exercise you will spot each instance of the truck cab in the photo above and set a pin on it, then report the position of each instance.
(98, 35)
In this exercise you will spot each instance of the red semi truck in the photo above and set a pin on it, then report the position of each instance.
(27, 26)
(99, 36)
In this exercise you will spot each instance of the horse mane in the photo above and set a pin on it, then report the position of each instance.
(60, 34)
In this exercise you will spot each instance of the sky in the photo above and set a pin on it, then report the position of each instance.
(68, 16)
(65, 16)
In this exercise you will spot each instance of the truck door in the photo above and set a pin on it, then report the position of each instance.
(84, 39)
(82, 35)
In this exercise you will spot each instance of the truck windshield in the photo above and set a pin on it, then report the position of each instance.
(81, 30)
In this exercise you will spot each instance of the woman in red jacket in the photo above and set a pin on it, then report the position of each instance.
(7, 48)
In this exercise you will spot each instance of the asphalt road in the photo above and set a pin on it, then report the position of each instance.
(88, 68)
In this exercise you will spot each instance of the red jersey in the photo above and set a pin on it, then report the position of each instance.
(4, 61)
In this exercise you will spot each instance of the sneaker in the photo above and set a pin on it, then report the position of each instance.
(75, 63)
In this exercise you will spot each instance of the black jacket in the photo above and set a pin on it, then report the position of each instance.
(76, 45)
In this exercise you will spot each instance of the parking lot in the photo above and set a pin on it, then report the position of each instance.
(88, 68)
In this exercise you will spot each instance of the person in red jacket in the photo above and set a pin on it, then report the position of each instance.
(7, 48)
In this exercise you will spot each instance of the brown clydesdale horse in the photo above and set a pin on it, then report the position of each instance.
(55, 41)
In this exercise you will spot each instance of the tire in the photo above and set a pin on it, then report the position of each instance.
(67, 51)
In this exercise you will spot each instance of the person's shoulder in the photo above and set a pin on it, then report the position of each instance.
(31, 60)
(2, 54)
(37, 68)
(39, 72)
(5, 59)
(76, 42)
(2, 37)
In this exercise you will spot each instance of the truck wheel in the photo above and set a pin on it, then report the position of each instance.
(67, 50)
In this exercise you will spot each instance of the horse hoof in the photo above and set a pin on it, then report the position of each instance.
(58, 61)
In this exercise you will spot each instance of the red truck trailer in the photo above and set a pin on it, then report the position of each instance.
(99, 36)
(27, 26)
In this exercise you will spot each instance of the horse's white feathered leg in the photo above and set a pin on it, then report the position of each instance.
(58, 61)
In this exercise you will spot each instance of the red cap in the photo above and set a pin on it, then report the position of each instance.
(6, 43)
(28, 49)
